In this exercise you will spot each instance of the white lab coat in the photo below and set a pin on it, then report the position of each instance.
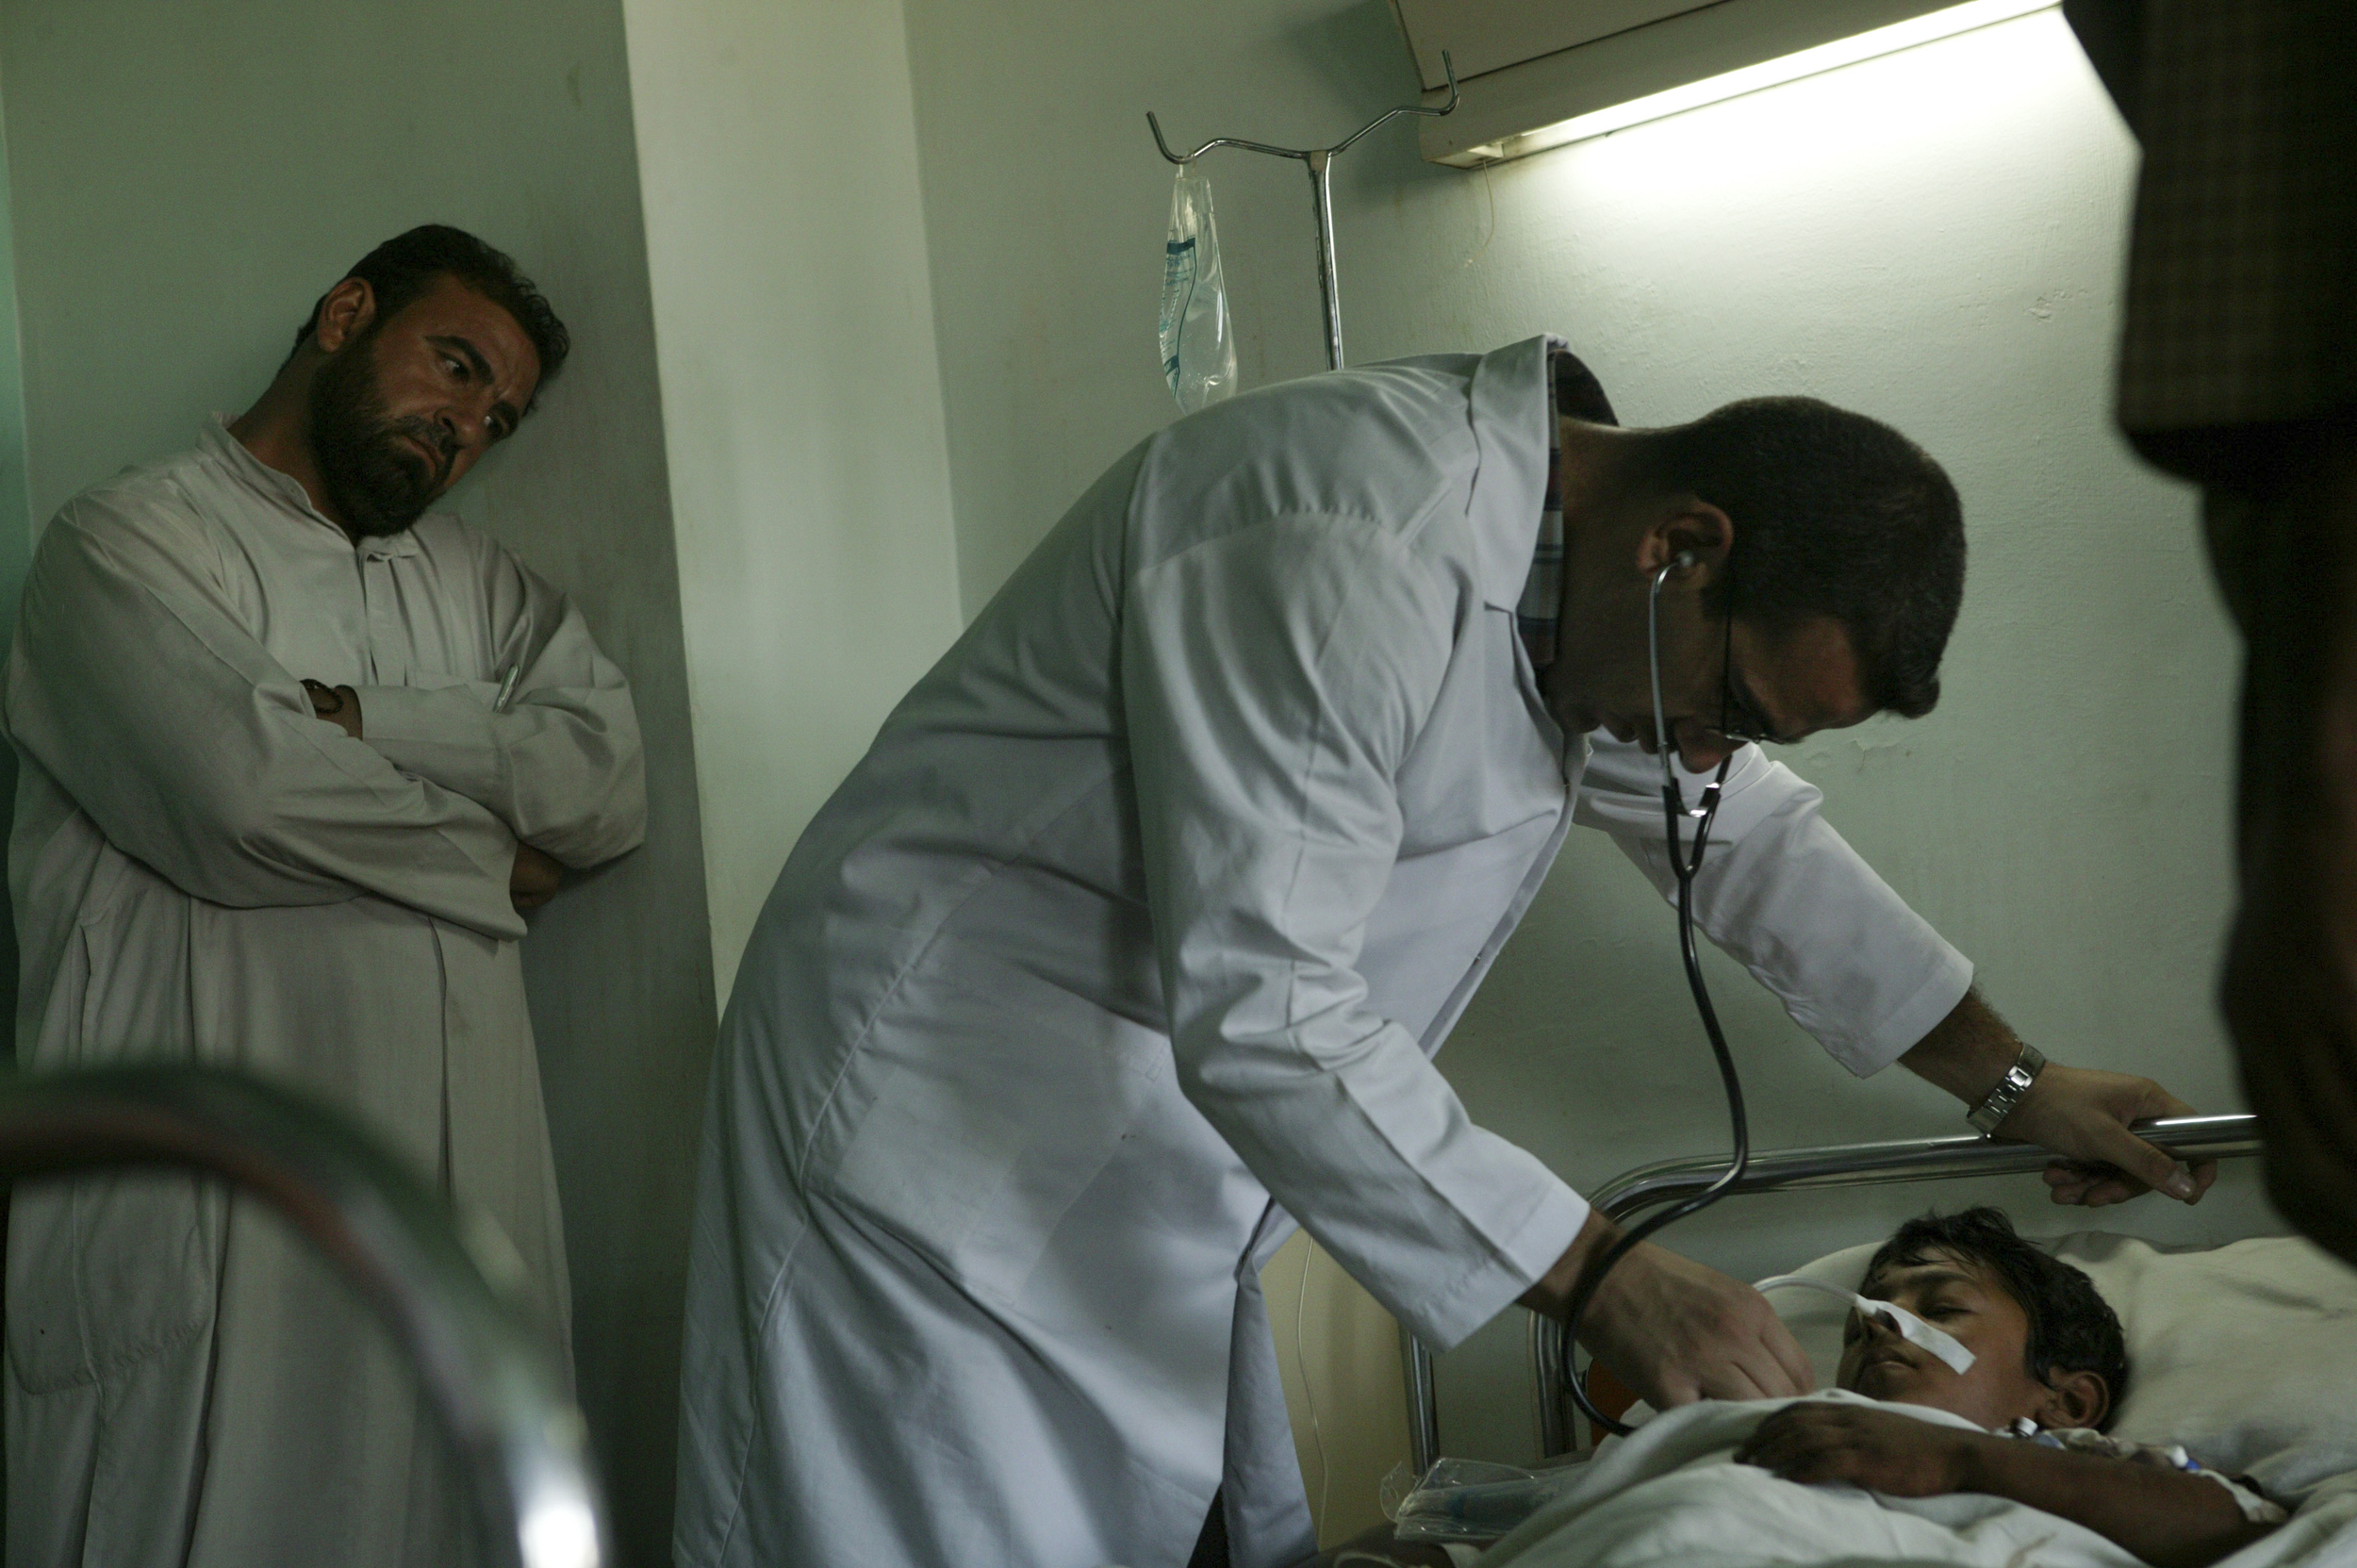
(204, 871)
(1134, 933)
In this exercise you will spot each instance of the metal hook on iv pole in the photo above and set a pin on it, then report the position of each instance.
(1319, 160)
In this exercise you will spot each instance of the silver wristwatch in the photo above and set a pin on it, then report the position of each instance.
(2001, 1100)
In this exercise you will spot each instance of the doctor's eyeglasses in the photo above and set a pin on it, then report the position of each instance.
(1740, 718)
(1738, 721)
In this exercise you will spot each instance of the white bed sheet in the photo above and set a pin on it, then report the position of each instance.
(1672, 1495)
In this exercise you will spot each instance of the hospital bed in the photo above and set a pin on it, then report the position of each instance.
(438, 1285)
(1630, 1195)
(2247, 1349)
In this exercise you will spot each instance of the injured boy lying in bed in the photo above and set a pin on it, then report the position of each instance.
(2048, 1368)
(2021, 1425)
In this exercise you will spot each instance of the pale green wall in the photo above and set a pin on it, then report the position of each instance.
(16, 539)
(801, 402)
(16, 529)
(187, 180)
(1933, 238)
(16, 533)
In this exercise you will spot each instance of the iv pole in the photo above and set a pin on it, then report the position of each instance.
(1424, 1434)
(1321, 199)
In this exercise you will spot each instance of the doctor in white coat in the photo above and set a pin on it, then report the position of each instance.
(1130, 941)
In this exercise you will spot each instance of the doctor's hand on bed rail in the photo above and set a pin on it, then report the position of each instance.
(2084, 1114)
(2081, 1114)
(1673, 1330)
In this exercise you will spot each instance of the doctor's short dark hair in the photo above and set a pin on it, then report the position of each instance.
(408, 265)
(2072, 1329)
(1835, 514)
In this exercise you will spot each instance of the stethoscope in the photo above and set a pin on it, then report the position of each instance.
(1684, 866)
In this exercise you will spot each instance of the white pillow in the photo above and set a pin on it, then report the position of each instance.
(2246, 1353)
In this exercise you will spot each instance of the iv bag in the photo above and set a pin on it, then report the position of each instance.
(1198, 339)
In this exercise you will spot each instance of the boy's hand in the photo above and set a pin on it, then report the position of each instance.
(1896, 1455)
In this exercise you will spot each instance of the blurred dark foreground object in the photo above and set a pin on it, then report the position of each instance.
(2238, 371)
(449, 1299)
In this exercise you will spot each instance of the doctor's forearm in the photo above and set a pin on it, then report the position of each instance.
(1966, 1053)
(1552, 1292)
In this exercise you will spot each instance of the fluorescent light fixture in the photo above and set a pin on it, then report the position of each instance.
(1928, 28)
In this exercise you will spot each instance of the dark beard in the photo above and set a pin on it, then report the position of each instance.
(375, 481)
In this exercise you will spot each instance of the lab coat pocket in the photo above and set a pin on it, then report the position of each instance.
(997, 1104)
(104, 1270)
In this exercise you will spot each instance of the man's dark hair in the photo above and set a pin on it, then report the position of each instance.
(408, 265)
(2072, 1329)
(1835, 515)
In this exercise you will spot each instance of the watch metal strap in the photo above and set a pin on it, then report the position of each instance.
(2001, 1100)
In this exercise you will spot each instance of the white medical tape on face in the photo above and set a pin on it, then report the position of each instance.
(1911, 1327)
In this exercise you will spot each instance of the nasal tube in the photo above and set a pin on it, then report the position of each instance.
(1911, 1327)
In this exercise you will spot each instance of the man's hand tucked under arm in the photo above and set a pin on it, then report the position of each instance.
(2078, 1113)
(536, 878)
(337, 704)
(1673, 1330)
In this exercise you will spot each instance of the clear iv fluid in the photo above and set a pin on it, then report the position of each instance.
(1198, 337)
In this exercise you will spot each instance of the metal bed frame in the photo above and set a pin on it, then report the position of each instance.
(521, 1442)
(1784, 1170)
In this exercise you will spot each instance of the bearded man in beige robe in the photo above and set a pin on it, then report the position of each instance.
(296, 753)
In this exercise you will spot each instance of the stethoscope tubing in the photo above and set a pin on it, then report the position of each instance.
(1685, 868)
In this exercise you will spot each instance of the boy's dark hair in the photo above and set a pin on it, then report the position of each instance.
(407, 265)
(2072, 1329)
(1835, 515)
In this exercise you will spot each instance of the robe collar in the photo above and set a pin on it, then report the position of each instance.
(282, 490)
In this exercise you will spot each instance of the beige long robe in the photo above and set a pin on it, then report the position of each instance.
(205, 872)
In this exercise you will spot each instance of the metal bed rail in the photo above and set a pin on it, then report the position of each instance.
(1903, 1160)
(451, 1300)
(1788, 1170)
